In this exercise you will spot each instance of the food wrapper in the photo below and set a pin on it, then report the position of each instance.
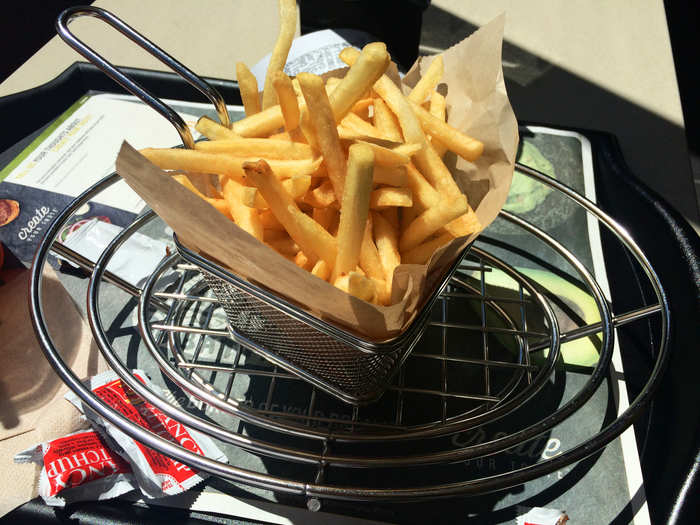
(477, 104)
(156, 474)
(78, 467)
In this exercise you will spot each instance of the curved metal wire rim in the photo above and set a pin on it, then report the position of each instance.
(473, 451)
(256, 445)
(492, 483)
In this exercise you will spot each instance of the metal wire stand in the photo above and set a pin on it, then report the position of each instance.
(487, 352)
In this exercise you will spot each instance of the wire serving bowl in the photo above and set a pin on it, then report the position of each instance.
(346, 455)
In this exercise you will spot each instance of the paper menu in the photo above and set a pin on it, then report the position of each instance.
(75, 151)
(81, 146)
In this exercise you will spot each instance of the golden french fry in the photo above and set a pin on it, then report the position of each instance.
(408, 214)
(361, 287)
(357, 285)
(392, 156)
(434, 169)
(386, 239)
(296, 187)
(362, 105)
(348, 134)
(331, 84)
(321, 116)
(430, 165)
(213, 130)
(369, 256)
(259, 125)
(219, 204)
(369, 66)
(270, 222)
(258, 147)
(326, 217)
(453, 139)
(438, 108)
(429, 81)
(321, 270)
(395, 176)
(464, 224)
(205, 162)
(391, 215)
(422, 253)
(288, 26)
(287, 99)
(302, 261)
(385, 121)
(322, 196)
(354, 208)
(248, 86)
(431, 220)
(385, 197)
(424, 195)
(356, 125)
(246, 218)
(311, 237)
(274, 235)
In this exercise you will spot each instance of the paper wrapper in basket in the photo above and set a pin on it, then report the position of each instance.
(477, 105)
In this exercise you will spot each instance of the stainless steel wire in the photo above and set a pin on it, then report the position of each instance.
(322, 457)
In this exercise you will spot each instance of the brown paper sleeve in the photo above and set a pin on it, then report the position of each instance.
(477, 104)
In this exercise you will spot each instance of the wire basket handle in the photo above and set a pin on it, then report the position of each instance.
(127, 83)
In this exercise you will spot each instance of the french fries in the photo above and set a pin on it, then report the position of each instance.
(205, 162)
(257, 147)
(248, 87)
(354, 208)
(427, 82)
(343, 177)
(213, 130)
(288, 25)
(307, 233)
(288, 102)
(323, 121)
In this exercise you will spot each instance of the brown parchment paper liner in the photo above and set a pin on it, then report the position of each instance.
(477, 104)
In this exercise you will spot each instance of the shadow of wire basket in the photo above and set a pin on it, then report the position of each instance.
(339, 362)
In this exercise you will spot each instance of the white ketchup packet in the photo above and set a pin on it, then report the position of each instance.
(78, 467)
(156, 474)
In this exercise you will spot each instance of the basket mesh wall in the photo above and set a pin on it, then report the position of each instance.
(359, 375)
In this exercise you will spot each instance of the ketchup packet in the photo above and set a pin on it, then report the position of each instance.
(156, 474)
(79, 467)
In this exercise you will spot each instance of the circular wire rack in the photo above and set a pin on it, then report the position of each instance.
(488, 359)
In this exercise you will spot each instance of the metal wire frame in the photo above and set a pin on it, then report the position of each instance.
(70, 14)
(197, 294)
(222, 400)
(317, 489)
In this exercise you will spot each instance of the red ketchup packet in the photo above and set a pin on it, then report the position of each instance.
(79, 467)
(156, 474)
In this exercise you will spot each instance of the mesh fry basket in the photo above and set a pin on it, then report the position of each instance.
(351, 368)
